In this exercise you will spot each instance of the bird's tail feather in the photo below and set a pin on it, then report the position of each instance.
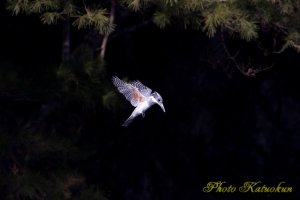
(128, 121)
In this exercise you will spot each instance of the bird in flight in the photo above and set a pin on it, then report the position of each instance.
(140, 96)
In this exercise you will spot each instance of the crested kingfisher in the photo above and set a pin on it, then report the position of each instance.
(140, 96)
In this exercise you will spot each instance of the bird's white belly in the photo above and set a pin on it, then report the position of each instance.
(143, 106)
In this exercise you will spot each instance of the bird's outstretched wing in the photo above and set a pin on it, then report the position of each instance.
(142, 88)
(135, 92)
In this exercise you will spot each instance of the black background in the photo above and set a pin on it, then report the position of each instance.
(217, 127)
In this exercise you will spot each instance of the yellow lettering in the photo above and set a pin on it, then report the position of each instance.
(248, 186)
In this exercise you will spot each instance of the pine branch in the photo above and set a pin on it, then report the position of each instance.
(50, 17)
(248, 30)
(161, 19)
(134, 5)
(247, 70)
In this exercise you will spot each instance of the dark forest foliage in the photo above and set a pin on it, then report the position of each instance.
(60, 117)
(245, 19)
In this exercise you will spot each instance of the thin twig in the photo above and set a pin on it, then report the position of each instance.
(105, 38)
(232, 58)
(247, 70)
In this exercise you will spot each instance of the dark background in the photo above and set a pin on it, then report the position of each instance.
(219, 125)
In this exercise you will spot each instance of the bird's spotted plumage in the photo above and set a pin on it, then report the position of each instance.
(134, 92)
(138, 95)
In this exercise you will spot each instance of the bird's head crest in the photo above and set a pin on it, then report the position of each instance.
(158, 100)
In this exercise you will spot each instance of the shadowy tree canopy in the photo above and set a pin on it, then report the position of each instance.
(249, 20)
(60, 117)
